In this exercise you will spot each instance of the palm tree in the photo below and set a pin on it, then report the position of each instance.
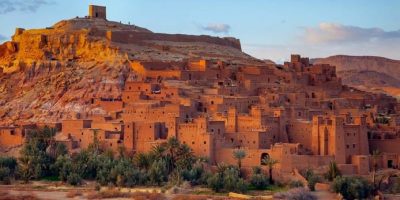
(239, 154)
(375, 155)
(270, 163)
(333, 171)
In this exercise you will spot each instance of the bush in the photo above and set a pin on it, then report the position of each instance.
(258, 180)
(5, 175)
(352, 187)
(312, 179)
(194, 175)
(8, 162)
(295, 194)
(215, 182)
(332, 172)
(296, 184)
(74, 179)
(228, 180)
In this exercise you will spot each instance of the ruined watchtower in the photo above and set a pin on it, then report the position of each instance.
(97, 12)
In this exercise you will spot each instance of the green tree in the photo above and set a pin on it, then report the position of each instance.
(268, 161)
(34, 162)
(5, 176)
(312, 179)
(333, 171)
(352, 187)
(158, 172)
(258, 180)
(239, 154)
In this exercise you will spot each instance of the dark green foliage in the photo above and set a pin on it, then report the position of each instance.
(34, 161)
(158, 172)
(7, 169)
(195, 175)
(74, 179)
(296, 184)
(8, 162)
(227, 180)
(333, 171)
(5, 177)
(312, 179)
(258, 179)
(352, 187)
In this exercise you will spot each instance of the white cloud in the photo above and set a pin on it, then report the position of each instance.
(327, 33)
(217, 28)
(329, 39)
(7, 6)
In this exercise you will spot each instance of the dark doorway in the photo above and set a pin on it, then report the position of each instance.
(390, 163)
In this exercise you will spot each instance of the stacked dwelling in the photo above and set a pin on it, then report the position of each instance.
(297, 113)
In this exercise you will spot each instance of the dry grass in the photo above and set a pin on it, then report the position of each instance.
(74, 193)
(147, 196)
(198, 197)
(117, 194)
(6, 196)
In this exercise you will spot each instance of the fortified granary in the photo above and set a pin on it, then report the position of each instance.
(298, 113)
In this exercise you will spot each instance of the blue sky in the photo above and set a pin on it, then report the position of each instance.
(271, 29)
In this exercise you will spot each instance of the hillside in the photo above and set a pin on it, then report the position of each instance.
(52, 73)
(376, 74)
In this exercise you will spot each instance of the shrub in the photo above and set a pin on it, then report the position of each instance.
(352, 187)
(296, 184)
(215, 182)
(194, 175)
(74, 179)
(8, 162)
(295, 194)
(258, 180)
(312, 179)
(333, 171)
(229, 180)
(5, 175)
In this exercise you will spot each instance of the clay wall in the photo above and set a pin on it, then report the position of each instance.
(11, 137)
(385, 145)
(300, 132)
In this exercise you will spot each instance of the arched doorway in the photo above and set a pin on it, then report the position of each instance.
(264, 156)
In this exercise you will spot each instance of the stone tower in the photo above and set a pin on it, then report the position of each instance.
(97, 12)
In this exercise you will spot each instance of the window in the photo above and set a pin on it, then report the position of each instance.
(347, 146)
(192, 142)
(205, 142)
(354, 146)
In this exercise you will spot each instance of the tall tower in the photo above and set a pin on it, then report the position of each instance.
(97, 12)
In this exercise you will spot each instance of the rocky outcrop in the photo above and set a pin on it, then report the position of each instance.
(54, 73)
(370, 73)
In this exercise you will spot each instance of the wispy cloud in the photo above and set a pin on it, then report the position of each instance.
(217, 28)
(326, 33)
(7, 6)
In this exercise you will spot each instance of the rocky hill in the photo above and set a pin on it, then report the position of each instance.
(52, 73)
(376, 74)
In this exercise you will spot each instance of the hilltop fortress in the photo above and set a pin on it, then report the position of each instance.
(127, 86)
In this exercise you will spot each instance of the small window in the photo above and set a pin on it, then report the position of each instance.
(354, 146)
(192, 142)
(205, 142)
(347, 146)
